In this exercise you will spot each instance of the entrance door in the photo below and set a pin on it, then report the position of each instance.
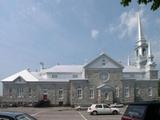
(61, 103)
(45, 97)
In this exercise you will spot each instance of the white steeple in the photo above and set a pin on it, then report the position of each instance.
(141, 49)
(140, 32)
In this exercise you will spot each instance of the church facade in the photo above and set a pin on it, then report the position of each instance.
(102, 80)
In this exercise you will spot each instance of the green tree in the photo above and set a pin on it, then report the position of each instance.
(155, 4)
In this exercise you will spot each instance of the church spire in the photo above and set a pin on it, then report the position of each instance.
(141, 49)
(140, 32)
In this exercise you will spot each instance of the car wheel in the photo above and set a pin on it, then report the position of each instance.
(94, 113)
(114, 112)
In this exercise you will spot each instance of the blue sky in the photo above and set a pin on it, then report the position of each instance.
(70, 32)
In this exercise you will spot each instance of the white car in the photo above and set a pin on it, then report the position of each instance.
(95, 109)
(115, 105)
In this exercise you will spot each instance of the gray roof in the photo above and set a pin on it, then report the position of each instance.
(133, 69)
(65, 69)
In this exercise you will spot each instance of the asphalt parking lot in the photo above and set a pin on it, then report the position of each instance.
(61, 113)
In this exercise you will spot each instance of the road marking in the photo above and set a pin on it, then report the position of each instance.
(37, 113)
(82, 116)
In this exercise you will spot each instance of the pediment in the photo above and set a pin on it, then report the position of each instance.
(19, 80)
(103, 61)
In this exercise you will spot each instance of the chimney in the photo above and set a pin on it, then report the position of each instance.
(41, 65)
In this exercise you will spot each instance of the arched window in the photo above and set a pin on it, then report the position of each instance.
(143, 51)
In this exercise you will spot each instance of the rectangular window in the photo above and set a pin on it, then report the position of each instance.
(45, 91)
(126, 91)
(29, 92)
(79, 93)
(98, 106)
(20, 92)
(117, 91)
(150, 91)
(91, 93)
(75, 76)
(60, 93)
(10, 92)
(54, 76)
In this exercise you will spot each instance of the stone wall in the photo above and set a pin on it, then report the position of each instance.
(142, 87)
(37, 91)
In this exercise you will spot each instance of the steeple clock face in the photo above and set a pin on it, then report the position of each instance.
(104, 76)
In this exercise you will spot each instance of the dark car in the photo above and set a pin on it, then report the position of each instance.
(15, 116)
(142, 111)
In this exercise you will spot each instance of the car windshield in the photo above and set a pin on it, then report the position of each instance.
(24, 117)
(135, 111)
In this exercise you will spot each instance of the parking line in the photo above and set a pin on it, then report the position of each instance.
(37, 113)
(82, 116)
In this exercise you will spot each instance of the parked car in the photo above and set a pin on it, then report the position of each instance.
(15, 116)
(115, 105)
(81, 107)
(142, 111)
(95, 109)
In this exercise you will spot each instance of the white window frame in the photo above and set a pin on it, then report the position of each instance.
(20, 92)
(60, 93)
(91, 93)
(150, 91)
(79, 93)
(126, 91)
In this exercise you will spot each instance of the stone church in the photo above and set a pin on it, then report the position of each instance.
(102, 80)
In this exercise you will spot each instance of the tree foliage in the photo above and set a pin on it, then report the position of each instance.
(155, 4)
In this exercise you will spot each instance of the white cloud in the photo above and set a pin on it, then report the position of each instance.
(127, 24)
(94, 33)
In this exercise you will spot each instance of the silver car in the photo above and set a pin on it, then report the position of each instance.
(95, 109)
